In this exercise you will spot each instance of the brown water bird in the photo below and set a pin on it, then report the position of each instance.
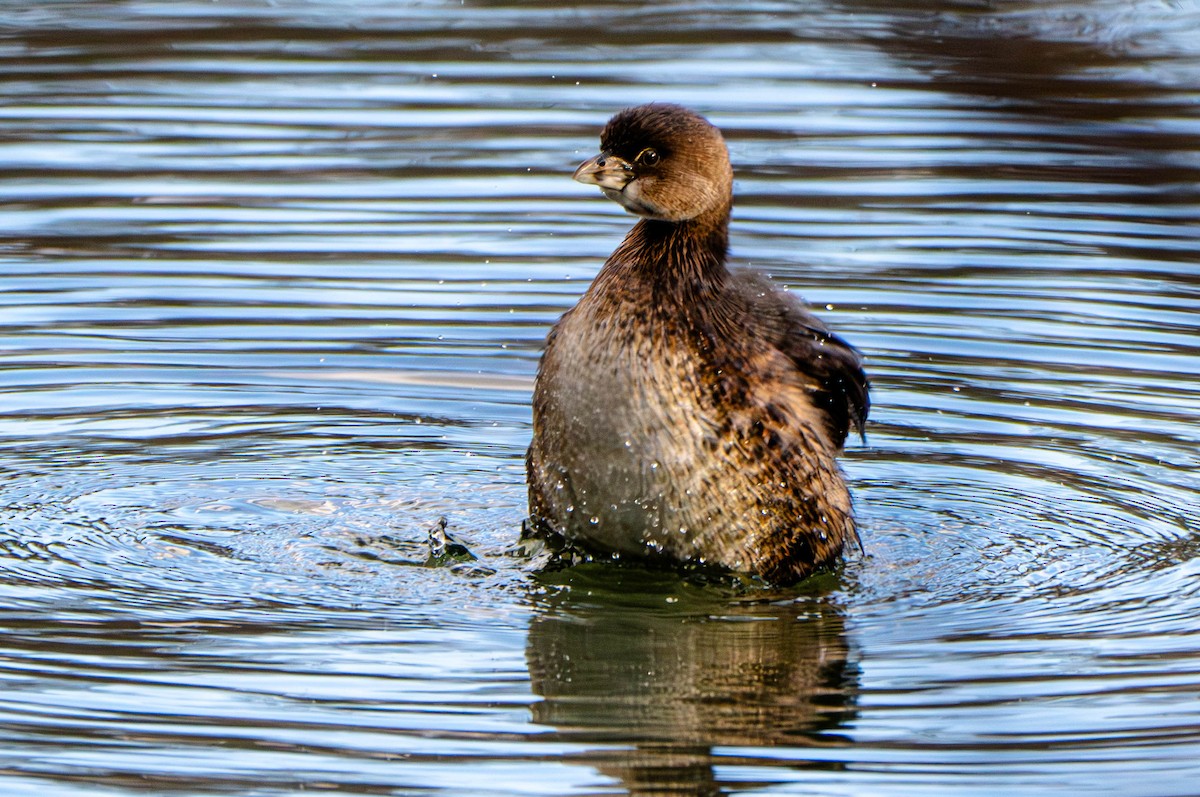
(682, 411)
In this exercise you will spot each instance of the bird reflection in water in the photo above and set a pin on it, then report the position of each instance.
(665, 672)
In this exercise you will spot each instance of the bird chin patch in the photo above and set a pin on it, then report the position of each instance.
(630, 199)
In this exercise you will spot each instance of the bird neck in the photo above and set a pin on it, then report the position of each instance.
(684, 255)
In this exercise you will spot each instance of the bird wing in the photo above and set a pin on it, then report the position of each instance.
(837, 383)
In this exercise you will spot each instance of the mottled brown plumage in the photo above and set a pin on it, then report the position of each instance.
(682, 411)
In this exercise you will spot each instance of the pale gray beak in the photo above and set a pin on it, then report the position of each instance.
(605, 170)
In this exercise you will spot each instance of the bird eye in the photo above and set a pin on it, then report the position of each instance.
(647, 157)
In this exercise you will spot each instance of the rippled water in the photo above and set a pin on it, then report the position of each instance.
(274, 277)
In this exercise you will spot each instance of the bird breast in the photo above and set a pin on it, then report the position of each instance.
(635, 415)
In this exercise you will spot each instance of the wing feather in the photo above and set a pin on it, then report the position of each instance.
(838, 385)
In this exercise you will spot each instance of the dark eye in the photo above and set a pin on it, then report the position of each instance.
(647, 157)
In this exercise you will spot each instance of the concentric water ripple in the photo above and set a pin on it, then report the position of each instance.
(273, 282)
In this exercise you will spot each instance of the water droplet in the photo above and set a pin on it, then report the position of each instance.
(593, 520)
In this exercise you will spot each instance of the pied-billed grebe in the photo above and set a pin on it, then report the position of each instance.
(682, 411)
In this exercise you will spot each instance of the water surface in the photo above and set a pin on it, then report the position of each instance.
(274, 278)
